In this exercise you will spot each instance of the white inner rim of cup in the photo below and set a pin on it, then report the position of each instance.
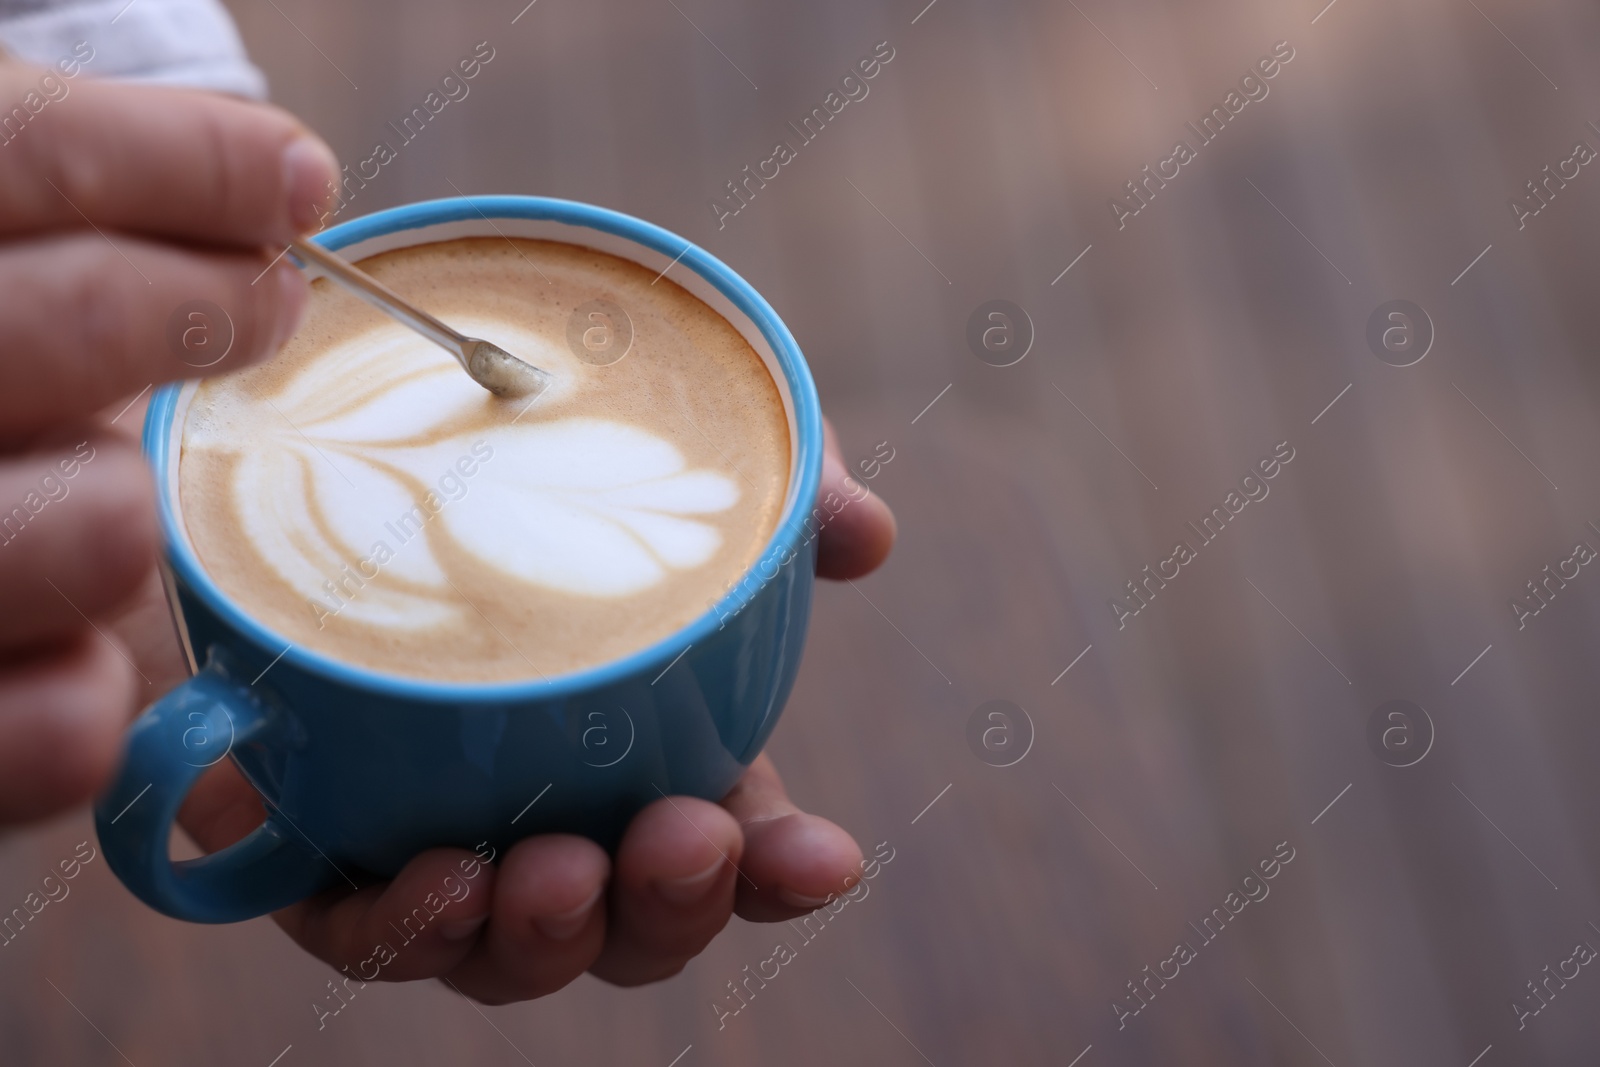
(540, 229)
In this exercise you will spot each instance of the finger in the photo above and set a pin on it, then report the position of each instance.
(858, 536)
(421, 925)
(547, 925)
(672, 891)
(125, 414)
(84, 320)
(77, 536)
(797, 860)
(221, 808)
(61, 719)
(426, 918)
(144, 625)
(159, 161)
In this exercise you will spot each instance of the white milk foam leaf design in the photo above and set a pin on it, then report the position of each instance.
(363, 496)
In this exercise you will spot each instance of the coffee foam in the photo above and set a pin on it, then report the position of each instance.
(362, 496)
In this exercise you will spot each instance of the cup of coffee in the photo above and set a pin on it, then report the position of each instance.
(419, 615)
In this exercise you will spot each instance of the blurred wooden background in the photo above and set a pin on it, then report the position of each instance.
(1172, 356)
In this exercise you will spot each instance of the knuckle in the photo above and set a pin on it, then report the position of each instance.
(215, 166)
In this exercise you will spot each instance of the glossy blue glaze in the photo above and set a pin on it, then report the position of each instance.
(363, 770)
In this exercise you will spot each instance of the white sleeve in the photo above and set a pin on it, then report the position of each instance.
(190, 43)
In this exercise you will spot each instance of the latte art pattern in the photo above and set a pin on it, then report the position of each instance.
(594, 508)
(586, 506)
(370, 499)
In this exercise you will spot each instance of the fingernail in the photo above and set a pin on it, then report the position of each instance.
(309, 174)
(292, 310)
(566, 925)
(688, 890)
(461, 929)
(796, 900)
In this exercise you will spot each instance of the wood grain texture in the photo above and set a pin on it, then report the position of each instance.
(1176, 353)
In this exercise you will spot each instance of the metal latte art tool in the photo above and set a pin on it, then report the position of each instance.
(486, 363)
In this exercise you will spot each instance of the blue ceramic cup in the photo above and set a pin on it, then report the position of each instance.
(362, 770)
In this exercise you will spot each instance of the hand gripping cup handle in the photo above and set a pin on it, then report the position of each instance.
(169, 747)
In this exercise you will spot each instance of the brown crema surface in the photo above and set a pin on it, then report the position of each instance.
(353, 496)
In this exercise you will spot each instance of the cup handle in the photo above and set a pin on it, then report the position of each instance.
(168, 748)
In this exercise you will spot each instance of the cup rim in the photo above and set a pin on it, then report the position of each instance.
(807, 413)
